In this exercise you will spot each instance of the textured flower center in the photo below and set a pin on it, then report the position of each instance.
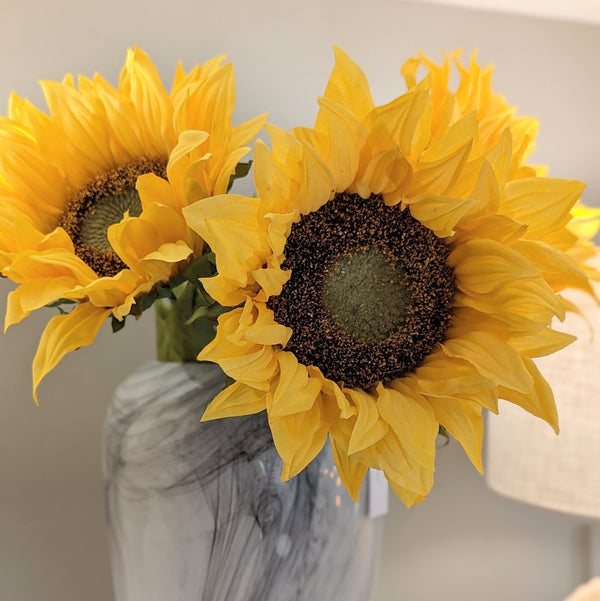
(100, 204)
(366, 294)
(370, 293)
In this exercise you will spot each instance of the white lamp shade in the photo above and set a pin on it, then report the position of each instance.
(525, 460)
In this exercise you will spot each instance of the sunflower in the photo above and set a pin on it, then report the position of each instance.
(91, 193)
(396, 274)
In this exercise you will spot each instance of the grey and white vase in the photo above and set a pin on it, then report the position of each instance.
(197, 511)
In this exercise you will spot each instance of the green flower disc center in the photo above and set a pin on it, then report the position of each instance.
(365, 293)
(106, 212)
(101, 203)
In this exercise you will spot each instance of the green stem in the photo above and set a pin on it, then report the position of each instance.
(177, 340)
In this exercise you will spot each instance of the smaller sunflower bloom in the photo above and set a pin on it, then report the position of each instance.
(91, 194)
(397, 274)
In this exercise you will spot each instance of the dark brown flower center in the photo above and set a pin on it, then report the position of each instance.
(370, 292)
(100, 204)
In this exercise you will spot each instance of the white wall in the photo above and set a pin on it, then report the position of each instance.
(464, 542)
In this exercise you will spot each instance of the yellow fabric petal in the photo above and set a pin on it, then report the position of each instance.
(141, 82)
(346, 138)
(438, 177)
(224, 292)
(348, 87)
(395, 123)
(265, 330)
(271, 281)
(246, 362)
(298, 439)
(439, 213)
(441, 375)
(34, 294)
(411, 419)
(83, 126)
(386, 172)
(542, 203)
(558, 268)
(317, 184)
(229, 223)
(154, 189)
(337, 396)
(493, 358)
(539, 401)
(485, 266)
(543, 343)
(296, 390)
(273, 185)
(464, 421)
(368, 428)
(236, 399)
(63, 334)
(351, 471)
(243, 133)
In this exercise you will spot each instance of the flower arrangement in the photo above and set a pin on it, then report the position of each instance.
(397, 272)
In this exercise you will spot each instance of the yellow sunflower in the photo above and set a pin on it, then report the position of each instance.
(91, 193)
(397, 272)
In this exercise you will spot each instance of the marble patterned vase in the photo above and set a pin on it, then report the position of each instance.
(197, 511)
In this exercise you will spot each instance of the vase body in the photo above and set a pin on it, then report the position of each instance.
(197, 511)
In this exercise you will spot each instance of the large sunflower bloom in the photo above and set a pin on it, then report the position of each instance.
(397, 272)
(91, 194)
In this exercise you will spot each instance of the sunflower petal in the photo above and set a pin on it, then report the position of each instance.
(63, 334)
(236, 399)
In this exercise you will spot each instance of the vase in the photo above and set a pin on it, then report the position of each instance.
(197, 511)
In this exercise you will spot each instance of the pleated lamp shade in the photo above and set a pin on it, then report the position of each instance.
(525, 460)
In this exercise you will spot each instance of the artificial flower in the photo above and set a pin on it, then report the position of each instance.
(397, 273)
(91, 193)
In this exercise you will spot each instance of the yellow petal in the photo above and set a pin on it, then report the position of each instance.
(224, 292)
(395, 123)
(348, 87)
(544, 342)
(485, 266)
(386, 172)
(350, 470)
(229, 223)
(34, 294)
(246, 362)
(439, 176)
(439, 213)
(558, 268)
(464, 421)
(273, 185)
(265, 330)
(539, 401)
(296, 391)
(440, 375)
(493, 358)
(154, 189)
(236, 399)
(298, 439)
(542, 203)
(63, 334)
(346, 138)
(243, 133)
(369, 428)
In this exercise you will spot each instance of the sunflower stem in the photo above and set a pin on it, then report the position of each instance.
(176, 338)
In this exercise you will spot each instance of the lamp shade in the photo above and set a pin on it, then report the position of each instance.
(525, 459)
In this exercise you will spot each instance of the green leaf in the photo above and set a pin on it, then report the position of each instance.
(202, 267)
(209, 312)
(116, 324)
(241, 170)
(445, 435)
